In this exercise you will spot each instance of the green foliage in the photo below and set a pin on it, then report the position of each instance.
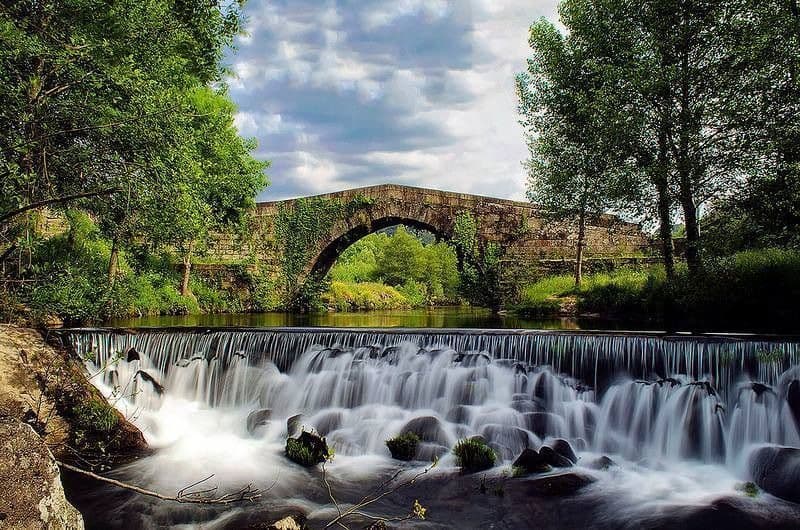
(480, 263)
(75, 264)
(748, 488)
(95, 417)
(394, 270)
(363, 296)
(403, 446)
(474, 455)
(541, 298)
(753, 290)
(308, 449)
(299, 228)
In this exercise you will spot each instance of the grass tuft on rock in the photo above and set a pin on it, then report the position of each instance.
(474, 454)
(308, 449)
(403, 446)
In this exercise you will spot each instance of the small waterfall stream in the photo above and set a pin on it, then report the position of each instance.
(644, 398)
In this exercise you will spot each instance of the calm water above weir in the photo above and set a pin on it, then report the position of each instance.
(435, 317)
(679, 416)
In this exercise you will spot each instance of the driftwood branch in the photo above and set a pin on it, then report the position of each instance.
(185, 495)
(57, 200)
(383, 490)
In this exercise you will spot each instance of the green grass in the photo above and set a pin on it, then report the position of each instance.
(474, 455)
(403, 446)
(542, 297)
(754, 290)
(363, 296)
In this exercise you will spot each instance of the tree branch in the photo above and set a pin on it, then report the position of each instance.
(57, 200)
(184, 495)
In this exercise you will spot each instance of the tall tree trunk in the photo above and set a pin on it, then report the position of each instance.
(685, 168)
(187, 269)
(661, 181)
(113, 262)
(581, 245)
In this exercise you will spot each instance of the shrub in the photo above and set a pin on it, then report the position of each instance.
(474, 455)
(748, 488)
(95, 417)
(403, 446)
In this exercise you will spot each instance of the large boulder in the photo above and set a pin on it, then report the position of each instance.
(546, 458)
(530, 461)
(30, 482)
(564, 449)
(258, 418)
(428, 428)
(293, 424)
(776, 470)
(561, 484)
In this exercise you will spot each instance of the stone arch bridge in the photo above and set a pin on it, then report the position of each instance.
(530, 242)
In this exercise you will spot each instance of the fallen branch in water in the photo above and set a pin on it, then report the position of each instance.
(383, 490)
(184, 495)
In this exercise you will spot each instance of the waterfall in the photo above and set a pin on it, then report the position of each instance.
(637, 395)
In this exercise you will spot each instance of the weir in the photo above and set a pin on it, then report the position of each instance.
(656, 396)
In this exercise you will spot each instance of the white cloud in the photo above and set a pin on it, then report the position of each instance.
(340, 104)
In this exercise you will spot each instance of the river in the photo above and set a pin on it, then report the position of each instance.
(678, 415)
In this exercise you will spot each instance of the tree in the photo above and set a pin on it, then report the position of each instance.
(401, 258)
(218, 182)
(95, 99)
(571, 171)
(664, 69)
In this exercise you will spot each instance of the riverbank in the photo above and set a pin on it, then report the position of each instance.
(50, 411)
(753, 291)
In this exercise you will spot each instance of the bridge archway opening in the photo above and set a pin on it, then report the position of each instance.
(330, 254)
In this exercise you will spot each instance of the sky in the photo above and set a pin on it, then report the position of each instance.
(349, 93)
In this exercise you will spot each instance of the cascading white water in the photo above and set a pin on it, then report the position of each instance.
(703, 400)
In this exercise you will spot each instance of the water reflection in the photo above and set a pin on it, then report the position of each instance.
(436, 317)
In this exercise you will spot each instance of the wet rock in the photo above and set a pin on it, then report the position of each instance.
(776, 470)
(257, 418)
(530, 461)
(308, 449)
(132, 355)
(328, 421)
(525, 406)
(603, 463)
(147, 378)
(542, 423)
(510, 440)
(554, 459)
(459, 414)
(760, 388)
(428, 428)
(563, 448)
(293, 424)
(30, 482)
(793, 398)
(429, 452)
(473, 359)
(560, 485)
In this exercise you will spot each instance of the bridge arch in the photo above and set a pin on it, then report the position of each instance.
(337, 244)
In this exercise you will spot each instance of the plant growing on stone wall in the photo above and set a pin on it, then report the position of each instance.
(480, 263)
(299, 229)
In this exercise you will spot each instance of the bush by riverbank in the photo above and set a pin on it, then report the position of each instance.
(753, 290)
(69, 279)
